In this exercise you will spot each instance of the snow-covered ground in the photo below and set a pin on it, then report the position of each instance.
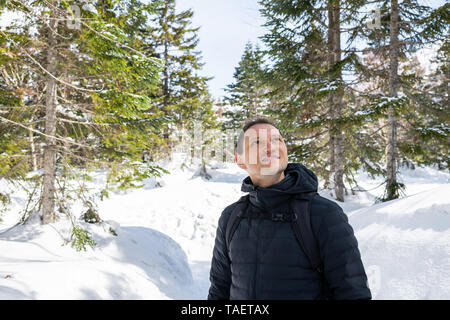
(165, 237)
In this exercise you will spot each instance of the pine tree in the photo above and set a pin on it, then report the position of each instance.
(14, 87)
(209, 126)
(93, 88)
(425, 125)
(246, 95)
(345, 106)
(182, 90)
(405, 27)
(183, 94)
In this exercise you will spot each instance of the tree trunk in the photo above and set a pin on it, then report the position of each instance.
(48, 193)
(329, 183)
(331, 149)
(32, 149)
(203, 172)
(166, 75)
(335, 99)
(391, 148)
(165, 80)
(339, 154)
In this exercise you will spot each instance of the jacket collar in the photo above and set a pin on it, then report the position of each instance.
(297, 179)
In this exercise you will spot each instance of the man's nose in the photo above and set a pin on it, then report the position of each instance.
(268, 146)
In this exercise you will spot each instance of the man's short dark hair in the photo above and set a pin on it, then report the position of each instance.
(250, 123)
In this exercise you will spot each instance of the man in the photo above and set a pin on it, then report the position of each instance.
(263, 259)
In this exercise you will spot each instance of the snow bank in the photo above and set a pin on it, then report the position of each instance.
(405, 245)
(138, 263)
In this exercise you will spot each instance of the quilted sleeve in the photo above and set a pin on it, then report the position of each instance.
(220, 273)
(342, 265)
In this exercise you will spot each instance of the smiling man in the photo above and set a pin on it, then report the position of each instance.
(282, 240)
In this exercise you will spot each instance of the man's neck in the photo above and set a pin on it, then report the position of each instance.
(267, 181)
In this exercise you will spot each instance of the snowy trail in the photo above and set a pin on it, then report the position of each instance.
(187, 209)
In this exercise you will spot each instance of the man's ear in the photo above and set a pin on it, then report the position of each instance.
(239, 161)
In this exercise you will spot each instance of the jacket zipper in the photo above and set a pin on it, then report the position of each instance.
(258, 222)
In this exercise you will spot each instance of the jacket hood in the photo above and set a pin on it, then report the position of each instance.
(297, 179)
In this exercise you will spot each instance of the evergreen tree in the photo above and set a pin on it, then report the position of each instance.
(206, 119)
(13, 89)
(246, 95)
(93, 89)
(345, 106)
(404, 28)
(425, 125)
(182, 91)
(182, 95)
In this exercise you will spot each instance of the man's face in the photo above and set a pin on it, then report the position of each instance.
(264, 151)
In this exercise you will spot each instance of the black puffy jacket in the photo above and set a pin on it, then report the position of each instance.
(267, 262)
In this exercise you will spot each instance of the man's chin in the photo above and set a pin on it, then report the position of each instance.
(271, 169)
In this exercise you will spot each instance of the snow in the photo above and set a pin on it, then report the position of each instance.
(90, 7)
(166, 231)
(404, 243)
(427, 57)
(313, 119)
(407, 240)
(39, 270)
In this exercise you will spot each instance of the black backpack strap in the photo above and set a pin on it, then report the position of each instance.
(301, 206)
(235, 218)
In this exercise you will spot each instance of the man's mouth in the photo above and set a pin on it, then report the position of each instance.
(266, 158)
